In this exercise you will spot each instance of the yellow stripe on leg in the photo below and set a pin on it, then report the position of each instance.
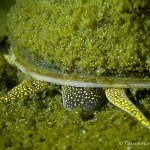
(26, 88)
(119, 98)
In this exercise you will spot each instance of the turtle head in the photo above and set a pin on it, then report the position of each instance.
(86, 98)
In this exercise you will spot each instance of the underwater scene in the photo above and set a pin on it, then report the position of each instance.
(74, 74)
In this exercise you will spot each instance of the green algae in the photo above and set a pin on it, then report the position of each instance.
(4, 8)
(7, 75)
(7, 72)
(41, 122)
(2, 24)
(112, 36)
(6, 5)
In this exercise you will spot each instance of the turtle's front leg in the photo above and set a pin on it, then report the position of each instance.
(26, 88)
(118, 97)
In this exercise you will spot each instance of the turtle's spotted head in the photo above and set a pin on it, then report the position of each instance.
(83, 97)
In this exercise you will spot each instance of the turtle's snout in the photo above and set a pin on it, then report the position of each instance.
(84, 97)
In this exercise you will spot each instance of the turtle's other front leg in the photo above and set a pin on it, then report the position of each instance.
(118, 97)
(26, 88)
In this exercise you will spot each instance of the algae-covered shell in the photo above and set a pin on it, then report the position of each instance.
(84, 81)
(82, 43)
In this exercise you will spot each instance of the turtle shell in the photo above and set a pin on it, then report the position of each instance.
(82, 43)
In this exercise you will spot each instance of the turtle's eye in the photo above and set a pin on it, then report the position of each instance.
(83, 97)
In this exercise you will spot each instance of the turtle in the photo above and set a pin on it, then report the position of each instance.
(66, 46)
